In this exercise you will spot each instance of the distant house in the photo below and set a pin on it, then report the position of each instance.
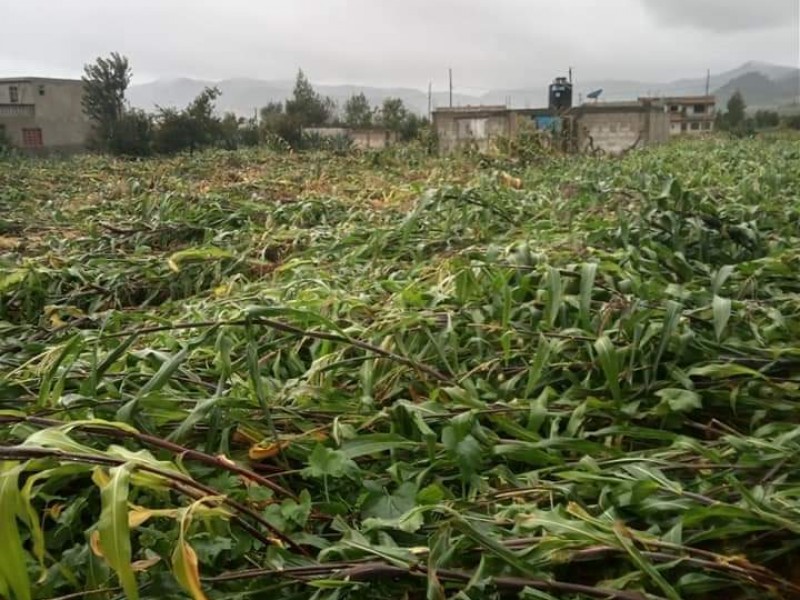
(690, 114)
(374, 138)
(41, 115)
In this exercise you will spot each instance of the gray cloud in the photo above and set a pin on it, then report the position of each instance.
(488, 43)
(726, 15)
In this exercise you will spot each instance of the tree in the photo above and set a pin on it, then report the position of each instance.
(393, 114)
(358, 112)
(765, 119)
(190, 129)
(395, 117)
(793, 121)
(307, 108)
(133, 135)
(105, 83)
(735, 116)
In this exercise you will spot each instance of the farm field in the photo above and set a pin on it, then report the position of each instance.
(262, 375)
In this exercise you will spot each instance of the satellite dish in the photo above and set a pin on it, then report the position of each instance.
(594, 95)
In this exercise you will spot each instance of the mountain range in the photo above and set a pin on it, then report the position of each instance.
(763, 85)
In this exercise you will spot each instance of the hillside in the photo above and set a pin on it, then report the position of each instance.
(760, 91)
(243, 96)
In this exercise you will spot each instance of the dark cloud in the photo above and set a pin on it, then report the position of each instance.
(726, 15)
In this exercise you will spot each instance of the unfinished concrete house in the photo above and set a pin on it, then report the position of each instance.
(691, 115)
(612, 127)
(39, 115)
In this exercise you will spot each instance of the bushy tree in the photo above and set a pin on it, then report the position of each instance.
(133, 135)
(236, 132)
(358, 112)
(275, 122)
(393, 113)
(105, 82)
(395, 117)
(793, 121)
(765, 119)
(735, 115)
(192, 128)
(307, 108)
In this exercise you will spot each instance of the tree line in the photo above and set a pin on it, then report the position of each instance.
(122, 130)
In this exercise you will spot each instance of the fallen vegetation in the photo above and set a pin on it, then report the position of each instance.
(254, 374)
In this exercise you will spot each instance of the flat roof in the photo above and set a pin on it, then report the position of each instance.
(475, 108)
(616, 107)
(684, 99)
(37, 80)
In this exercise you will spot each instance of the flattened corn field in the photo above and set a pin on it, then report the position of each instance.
(261, 375)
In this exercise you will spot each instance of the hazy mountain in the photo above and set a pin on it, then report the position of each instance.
(780, 86)
(243, 96)
(759, 91)
(763, 85)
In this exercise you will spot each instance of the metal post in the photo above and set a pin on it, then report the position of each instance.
(451, 88)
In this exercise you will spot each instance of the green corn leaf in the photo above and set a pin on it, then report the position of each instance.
(669, 327)
(588, 276)
(722, 314)
(609, 361)
(254, 370)
(194, 255)
(555, 294)
(73, 346)
(643, 564)
(113, 357)
(115, 538)
(720, 277)
(13, 564)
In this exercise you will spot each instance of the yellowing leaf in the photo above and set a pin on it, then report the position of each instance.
(512, 182)
(94, 544)
(139, 516)
(245, 437)
(143, 565)
(55, 320)
(186, 569)
(100, 477)
(54, 511)
(271, 450)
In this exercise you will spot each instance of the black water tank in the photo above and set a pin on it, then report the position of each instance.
(560, 94)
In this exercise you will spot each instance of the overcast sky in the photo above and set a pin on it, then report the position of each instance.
(489, 43)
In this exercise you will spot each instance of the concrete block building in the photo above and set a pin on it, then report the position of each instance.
(612, 127)
(615, 127)
(691, 115)
(42, 116)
